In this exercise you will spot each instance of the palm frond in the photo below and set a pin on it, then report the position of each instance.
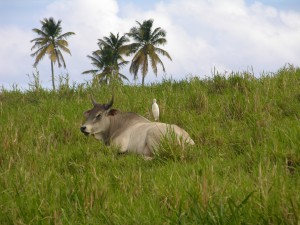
(122, 64)
(90, 72)
(122, 76)
(108, 58)
(64, 48)
(163, 52)
(155, 60)
(60, 59)
(144, 67)
(65, 35)
(50, 41)
(145, 48)
(39, 55)
(157, 34)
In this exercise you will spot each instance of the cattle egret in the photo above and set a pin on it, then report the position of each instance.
(155, 110)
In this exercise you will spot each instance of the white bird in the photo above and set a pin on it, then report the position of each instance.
(155, 110)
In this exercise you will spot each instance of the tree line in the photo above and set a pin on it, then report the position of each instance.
(142, 42)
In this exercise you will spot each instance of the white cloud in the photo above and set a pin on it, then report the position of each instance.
(234, 36)
(201, 34)
(14, 55)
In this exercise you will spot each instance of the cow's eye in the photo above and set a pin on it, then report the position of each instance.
(98, 116)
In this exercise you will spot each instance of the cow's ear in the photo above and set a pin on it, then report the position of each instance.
(112, 112)
(87, 113)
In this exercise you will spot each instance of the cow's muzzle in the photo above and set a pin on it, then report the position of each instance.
(82, 129)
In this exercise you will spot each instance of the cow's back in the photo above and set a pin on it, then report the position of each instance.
(168, 131)
(138, 135)
(154, 133)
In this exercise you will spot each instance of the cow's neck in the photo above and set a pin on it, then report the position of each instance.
(102, 137)
(118, 123)
(114, 126)
(121, 122)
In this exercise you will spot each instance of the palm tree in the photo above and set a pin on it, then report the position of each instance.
(145, 48)
(50, 42)
(108, 59)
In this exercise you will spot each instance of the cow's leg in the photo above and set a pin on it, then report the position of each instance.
(147, 158)
(152, 142)
(147, 152)
(122, 144)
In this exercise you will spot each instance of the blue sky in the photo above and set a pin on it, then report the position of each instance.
(203, 35)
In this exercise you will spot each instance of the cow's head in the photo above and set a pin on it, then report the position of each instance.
(97, 120)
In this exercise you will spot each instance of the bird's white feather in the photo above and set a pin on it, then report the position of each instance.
(155, 110)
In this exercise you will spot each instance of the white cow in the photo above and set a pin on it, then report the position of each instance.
(127, 130)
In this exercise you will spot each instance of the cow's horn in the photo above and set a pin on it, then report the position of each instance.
(107, 106)
(93, 100)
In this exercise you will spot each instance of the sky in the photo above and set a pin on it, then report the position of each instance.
(259, 36)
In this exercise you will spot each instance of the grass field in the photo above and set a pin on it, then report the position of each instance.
(244, 168)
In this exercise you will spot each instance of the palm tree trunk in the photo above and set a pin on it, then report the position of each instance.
(143, 80)
(52, 71)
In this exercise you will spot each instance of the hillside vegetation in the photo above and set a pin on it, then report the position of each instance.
(244, 168)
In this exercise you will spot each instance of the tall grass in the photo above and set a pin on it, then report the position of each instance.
(244, 168)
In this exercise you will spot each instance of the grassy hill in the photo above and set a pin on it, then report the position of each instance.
(244, 168)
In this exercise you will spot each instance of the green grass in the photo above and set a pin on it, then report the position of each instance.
(244, 168)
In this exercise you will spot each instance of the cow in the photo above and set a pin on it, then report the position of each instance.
(129, 131)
